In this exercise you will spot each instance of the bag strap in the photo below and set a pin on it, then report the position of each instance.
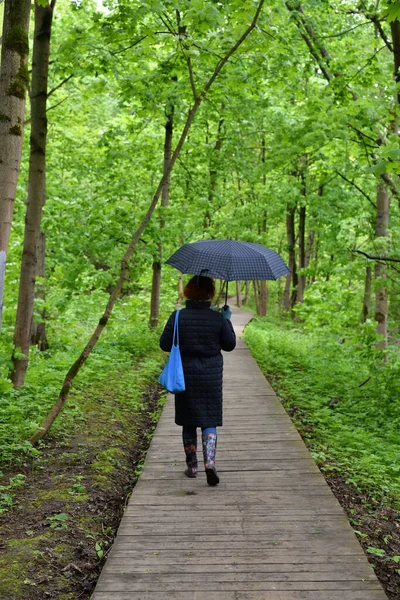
(176, 330)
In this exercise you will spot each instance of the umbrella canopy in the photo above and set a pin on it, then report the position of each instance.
(229, 260)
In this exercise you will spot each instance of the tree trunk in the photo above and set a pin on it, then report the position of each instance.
(156, 282)
(263, 307)
(309, 248)
(291, 279)
(213, 174)
(246, 292)
(256, 296)
(395, 28)
(367, 295)
(381, 234)
(302, 254)
(238, 295)
(14, 80)
(38, 330)
(36, 190)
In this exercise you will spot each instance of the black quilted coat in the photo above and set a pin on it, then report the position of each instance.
(203, 333)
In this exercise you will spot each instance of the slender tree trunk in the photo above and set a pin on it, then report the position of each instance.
(156, 282)
(78, 364)
(291, 279)
(256, 296)
(367, 294)
(381, 234)
(263, 308)
(38, 330)
(238, 295)
(315, 254)
(246, 292)
(302, 254)
(14, 81)
(213, 172)
(395, 28)
(36, 190)
(264, 180)
(309, 249)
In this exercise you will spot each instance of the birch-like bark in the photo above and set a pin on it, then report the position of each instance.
(156, 281)
(36, 190)
(14, 80)
(78, 364)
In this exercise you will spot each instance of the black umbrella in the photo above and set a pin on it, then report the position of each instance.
(229, 260)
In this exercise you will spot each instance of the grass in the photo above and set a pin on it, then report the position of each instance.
(343, 398)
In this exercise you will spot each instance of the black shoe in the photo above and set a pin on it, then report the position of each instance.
(190, 473)
(212, 476)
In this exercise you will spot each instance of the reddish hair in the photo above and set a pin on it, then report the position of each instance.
(199, 288)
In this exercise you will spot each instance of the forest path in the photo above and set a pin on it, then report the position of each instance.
(271, 530)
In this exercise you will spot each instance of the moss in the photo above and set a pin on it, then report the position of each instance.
(17, 89)
(23, 74)
(20, 84)
(102, 482)
(15, 566)
(62, 549)
(70, 458)
(15, 130)
(57, 496)
(4, 117)
(17, 41)
(103, 467)
(107, 460)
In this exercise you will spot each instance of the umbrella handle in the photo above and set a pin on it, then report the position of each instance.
(226, 294)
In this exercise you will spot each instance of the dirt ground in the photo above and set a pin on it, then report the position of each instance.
(56, 537)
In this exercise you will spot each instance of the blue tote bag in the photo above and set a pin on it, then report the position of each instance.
(172, 377)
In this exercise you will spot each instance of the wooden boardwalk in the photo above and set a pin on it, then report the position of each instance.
(272, 529)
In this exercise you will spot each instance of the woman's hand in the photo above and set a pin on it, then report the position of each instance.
(226, 312)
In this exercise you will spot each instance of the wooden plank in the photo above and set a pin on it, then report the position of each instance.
(292, 595)
(272, 529)
(283, 571)
(123, 582)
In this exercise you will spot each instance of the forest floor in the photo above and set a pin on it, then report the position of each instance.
(63, 520)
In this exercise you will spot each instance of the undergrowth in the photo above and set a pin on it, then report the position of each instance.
(343, 397)
(127, 345)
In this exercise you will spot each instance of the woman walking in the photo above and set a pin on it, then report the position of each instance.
(203, 333)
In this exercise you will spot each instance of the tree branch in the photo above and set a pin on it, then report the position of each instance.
(135, 43)
(59, 85)
(378, 258)
(357, 188)
(124, 270)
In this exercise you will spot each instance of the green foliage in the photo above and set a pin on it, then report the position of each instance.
(58, 521)
(127, 341)
(345, 401)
